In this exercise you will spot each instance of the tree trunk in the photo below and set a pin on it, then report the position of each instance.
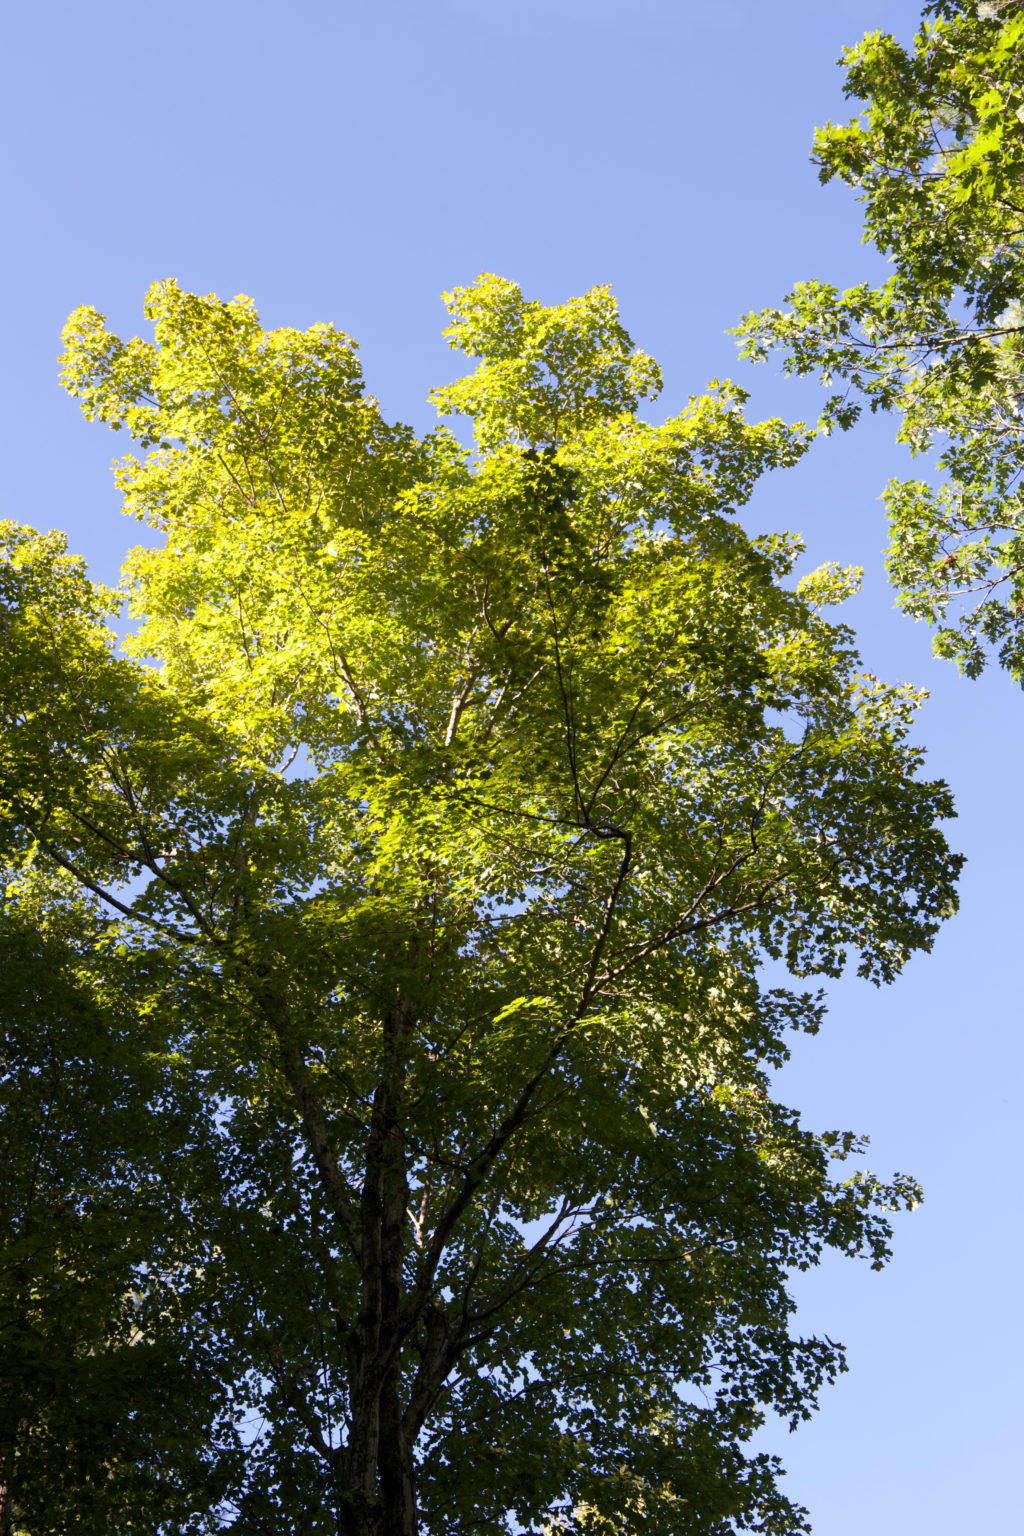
(376, 1476)
(382, 1497)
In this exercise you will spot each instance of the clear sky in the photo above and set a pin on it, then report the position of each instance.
(347, 160)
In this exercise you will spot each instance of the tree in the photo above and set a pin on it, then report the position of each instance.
(104, 1404)
(937, 154)
(435, 827)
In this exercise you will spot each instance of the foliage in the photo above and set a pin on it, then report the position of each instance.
(101, 1134)
(436, 824)
(937, 155)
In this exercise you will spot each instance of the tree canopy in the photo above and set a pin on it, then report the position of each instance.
(937, 156)
(388, 918)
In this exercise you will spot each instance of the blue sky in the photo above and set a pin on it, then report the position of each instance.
(349, 160)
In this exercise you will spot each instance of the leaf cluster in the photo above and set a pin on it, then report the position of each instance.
(936, 155)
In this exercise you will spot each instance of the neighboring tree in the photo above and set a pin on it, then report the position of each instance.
(937, 155)
(104, 1400)
(438, 822)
